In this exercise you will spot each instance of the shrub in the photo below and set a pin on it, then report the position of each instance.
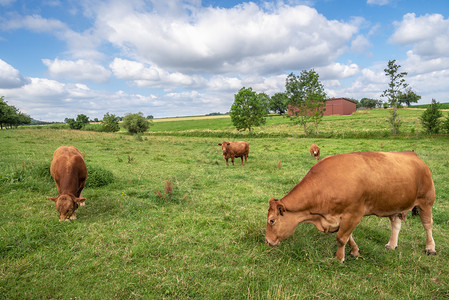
(136, 123)
(110, 123)
(430, 119)
(98, 176)
(80, 122)
(93, 127)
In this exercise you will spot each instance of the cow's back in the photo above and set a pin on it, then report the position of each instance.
(240, 148)
(381, 183)
(68, 163)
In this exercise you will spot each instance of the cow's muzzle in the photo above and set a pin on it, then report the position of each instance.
(271, 243)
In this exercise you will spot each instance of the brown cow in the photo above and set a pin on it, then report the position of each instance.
(339, 190)
(235, 149)
(315, 151)
(69, 172)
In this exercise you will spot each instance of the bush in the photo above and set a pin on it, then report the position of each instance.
(110, 123)
(136, 123)
(80, 122)
(430, 119)
(93, 127)
(98, 176)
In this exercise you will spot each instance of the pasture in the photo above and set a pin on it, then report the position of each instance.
(205, 239)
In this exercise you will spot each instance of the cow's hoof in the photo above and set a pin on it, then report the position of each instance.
(431, 252)
(387, 246)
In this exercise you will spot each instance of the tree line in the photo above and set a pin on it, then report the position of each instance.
(10, 116)
(134, 123)
(305, 100)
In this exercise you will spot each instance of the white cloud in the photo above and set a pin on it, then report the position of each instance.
(245, 38)
(10, 77)
(79, 70)
(81, 45)
(338, 71)
(360, 44)
(428, 34)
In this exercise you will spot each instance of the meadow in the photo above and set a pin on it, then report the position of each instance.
(205, 239)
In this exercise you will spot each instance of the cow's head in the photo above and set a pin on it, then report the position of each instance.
(280, 225)
(66, 205)
(224, 146)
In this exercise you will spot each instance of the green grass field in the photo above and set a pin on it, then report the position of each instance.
(206, 239)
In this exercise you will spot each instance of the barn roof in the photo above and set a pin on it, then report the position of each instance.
(347, 99)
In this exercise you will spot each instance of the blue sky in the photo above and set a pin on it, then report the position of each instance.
(177, 58)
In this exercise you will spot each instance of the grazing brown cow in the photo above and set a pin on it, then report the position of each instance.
(69, 172)
(235, 149)
(339, 190)
(315, 151)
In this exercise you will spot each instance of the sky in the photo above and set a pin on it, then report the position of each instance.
(61, 58)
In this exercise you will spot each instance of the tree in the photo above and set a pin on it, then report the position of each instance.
(248, 109)
(265, 100)
(306, 98)
(279, 103)
(110, 123)
(369, 103)
(79, 123)
(136, 123)
(22, 119)
(430, 119)
(408, 97)
(396, 84)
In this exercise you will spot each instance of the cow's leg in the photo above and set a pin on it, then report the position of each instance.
(242, 159)
(354, 247)
(246, 157)
(425, 214)
(227, 161)
(347, 225)
(395, 228)
(232, 158)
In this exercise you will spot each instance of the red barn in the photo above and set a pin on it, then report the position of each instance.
(335, 106)
(340, 106)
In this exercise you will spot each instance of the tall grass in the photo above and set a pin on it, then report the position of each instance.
(204, 238)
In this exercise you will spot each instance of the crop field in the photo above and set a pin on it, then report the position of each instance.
(205, 239)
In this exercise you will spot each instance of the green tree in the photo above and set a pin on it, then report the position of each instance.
(22, 119)
(408, 97)
(279, 103)
(265, 99)
(110, 123)
(136, 123)
(395, 86)
(79, 123)
(248, 109)
(445, 124)
(369, 103)
(306, 98)
(430, 119)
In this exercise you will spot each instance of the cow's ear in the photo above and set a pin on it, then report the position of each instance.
(53, 198)
(219, 144)
(79, 200)
(281, 208)
(228, 143)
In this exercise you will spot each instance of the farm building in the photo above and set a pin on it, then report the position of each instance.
(336, 106)
(340, 106)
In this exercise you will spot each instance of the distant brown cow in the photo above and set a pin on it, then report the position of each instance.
(339, 190)
(315, 151)
(235, 149)
(69, 172)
